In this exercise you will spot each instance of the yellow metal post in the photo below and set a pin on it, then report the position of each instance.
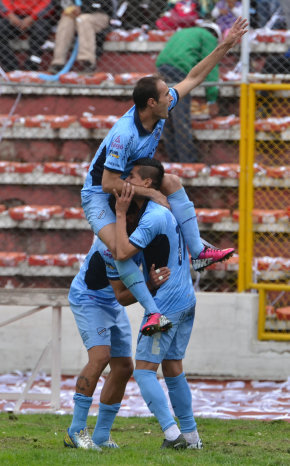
(242, 186)
(250, 187)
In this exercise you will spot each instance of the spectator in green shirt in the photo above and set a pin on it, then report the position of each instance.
(185, 49)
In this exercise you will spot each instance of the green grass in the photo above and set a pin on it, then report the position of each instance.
(37, 439)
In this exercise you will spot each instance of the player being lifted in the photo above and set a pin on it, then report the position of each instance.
(136, 135)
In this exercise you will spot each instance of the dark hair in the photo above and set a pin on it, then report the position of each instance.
(145, 89)
(150, 168)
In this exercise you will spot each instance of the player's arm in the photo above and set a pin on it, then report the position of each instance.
(112, 181)
(199, 72)
(124, 249)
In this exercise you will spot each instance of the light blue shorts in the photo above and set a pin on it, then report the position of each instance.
(101, 324)
(167, 345)
(97, 211)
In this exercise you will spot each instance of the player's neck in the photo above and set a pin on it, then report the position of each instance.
(148, 120)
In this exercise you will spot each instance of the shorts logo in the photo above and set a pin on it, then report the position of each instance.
(101, 331)
(101, 215)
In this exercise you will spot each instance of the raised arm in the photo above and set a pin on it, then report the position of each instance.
(199, 72)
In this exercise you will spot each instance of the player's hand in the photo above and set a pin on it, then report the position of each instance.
(14, 20)
(124, 199)
(159, 198)
(73, 11)
(158, 276)
(26, 23)
(238, 29)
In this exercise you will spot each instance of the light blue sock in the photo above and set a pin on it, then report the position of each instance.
(181, 401)
(106, 417)
(154, 397)
(81, 409)
(133, 279)
(184, 212)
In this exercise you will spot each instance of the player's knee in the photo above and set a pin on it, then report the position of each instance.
(99, 358)
(126, 369)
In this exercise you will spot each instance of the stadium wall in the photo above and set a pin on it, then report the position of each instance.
(223, 344)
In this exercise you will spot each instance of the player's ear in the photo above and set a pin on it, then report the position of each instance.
(148, 182)
(151, 102)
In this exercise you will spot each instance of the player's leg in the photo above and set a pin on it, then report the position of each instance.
(89, 317)
(110, 400)
(102, 221)
(184, 212)
(149, 354)
(77, 435)
(178, 389)
(121, 365)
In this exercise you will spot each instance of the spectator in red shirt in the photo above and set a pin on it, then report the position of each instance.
(24, 16)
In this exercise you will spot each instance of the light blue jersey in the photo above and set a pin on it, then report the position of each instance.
(91, 283)
(126, 142)
(100, 319)
(160, 237)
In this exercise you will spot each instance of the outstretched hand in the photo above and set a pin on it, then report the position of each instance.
(238, 29)
(124, 199)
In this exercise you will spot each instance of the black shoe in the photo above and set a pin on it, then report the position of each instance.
(54, 69)
(178, 444)
(86, 66)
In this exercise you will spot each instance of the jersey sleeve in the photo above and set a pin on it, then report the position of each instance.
(118, 149)
(175, 96)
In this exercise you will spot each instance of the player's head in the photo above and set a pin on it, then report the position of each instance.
(152, 93)
(147, 172)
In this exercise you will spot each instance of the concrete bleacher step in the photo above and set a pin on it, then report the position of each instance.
(61, 265)
(58, 217)
(97, 126)
(192, 174)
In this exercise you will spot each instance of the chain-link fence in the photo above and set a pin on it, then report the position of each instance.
(60, 94)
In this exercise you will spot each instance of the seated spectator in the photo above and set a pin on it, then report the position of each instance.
(184, 50)
(266, 10)
(136, 13)
(180, 14)
(205, 8)
(24, 16)
(226, 12)
(87, 20)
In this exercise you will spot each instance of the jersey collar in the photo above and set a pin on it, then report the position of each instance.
(141, 130)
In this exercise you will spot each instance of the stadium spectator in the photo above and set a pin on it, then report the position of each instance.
(95, 307)
(160, 237)
(31, 17)
(136, 134)
(225, 13)
(183, 51)
(136, 14)
(88, 20)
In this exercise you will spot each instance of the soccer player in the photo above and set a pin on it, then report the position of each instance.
(136, 135)
(160, 238)
(106, 333)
